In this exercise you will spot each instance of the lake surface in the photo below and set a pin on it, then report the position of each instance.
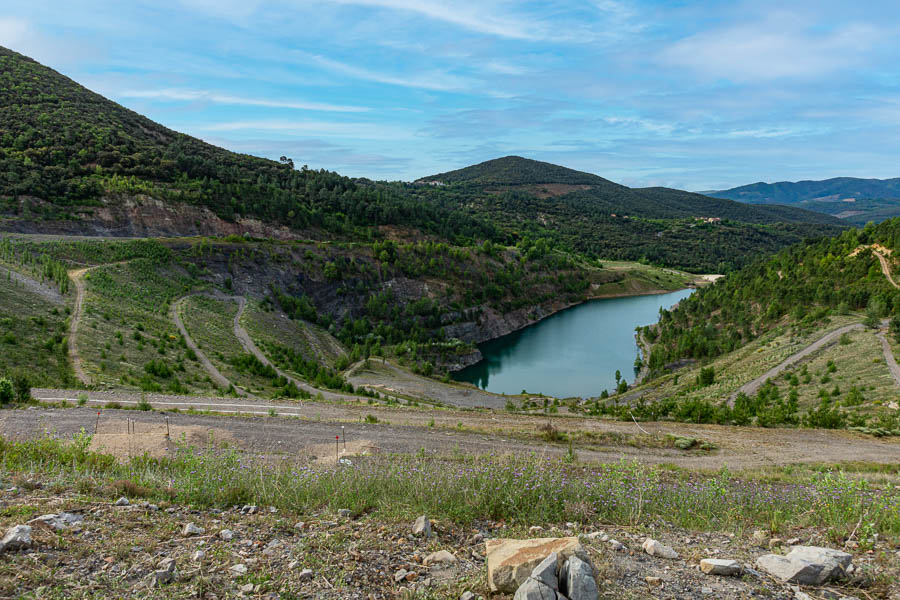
(575, 352)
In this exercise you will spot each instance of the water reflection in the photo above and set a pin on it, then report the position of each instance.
(573, 353)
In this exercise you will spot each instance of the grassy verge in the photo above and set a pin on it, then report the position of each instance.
(465, 489)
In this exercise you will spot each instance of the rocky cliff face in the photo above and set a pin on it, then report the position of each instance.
(138, 216)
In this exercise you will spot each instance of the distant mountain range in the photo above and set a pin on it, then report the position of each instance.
(853, 199)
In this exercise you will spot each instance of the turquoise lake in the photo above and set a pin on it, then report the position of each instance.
(575, 352)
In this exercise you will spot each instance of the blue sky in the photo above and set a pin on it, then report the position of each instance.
(696, 95)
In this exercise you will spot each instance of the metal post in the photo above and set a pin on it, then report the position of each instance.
(344, 436)
(337, 452)
(97, 424)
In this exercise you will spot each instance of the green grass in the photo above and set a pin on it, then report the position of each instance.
(210, 323)
(33, 334)
(127, 338)
(465, 489)
(273, 328)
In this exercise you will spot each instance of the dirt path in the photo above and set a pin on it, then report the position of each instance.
(214, 373)
(77, 277)
(886, 268)
(403, 429)
(752, 387)
(247, 343)
(889, 358)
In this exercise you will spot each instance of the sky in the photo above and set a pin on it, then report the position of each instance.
(696, 95)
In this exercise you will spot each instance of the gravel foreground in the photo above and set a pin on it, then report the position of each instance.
(132, 549)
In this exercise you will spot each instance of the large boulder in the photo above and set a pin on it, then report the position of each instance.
(579, 582)
(510, 562)
(720, 566)
(532, 589)
(806, 565)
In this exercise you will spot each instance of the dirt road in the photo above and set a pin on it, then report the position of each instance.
(214, 373)
(885, 267)
(404, 429)
(752, 387)
(77, 277)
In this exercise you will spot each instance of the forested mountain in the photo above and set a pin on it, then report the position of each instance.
(856, 200)
(66, 147)
(66, 152)
(800, 285)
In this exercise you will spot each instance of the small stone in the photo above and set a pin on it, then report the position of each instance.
(198, 556)
(467, 595)
(123, 501)
(238, 569)
(706, 591)
(191, 529)
(344, 513)
(400, 575)
(226, 534)
(653, 581)
(411, 576)
(617, 545)
(775, 542)
(305, 575)
(793, 541)
(422, 527)
(720, 566)
(441, 556)
(654, 548)
(58, 522)
(299, 525)
(247, 588)
(16, 538)
(535, 528)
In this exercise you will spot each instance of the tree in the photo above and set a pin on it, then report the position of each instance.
(895, 328)
(6, 391)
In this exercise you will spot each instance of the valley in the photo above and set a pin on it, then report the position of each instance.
(193, 335)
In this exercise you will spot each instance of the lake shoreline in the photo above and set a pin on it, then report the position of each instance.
(600, 342)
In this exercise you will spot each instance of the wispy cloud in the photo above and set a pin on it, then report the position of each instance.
(772, 49)
(314, 128)
(474, 17)
(436, 80)
(207, 96)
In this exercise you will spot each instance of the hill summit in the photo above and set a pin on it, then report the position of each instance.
(516, 170)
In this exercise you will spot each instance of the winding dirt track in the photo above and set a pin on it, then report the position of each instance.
(77, 277)
(885, 267)
(752, 387)
(214, 373)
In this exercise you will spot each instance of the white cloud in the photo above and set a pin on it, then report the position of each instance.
(199, 95)
(14, 32)
(314, 128)
(473, 17)
(773, 49)
(434, 80)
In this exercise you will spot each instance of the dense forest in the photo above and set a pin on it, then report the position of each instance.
(802, 284)
(65, 149)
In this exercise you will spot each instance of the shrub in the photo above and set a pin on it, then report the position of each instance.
(371, 419)
(706, 377)
(7, 394)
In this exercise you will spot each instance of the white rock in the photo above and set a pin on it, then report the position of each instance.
(400, 575)
(720, 566)
(16, 538)
(191, 529)
(422, 526)
(441, 556)
(467, 595)
(226, 534)
(299, 525)
(123, 501)
(654, 548)
(617, 545)
(58, 522)
(247, 588)
(198, 556)
(238, 569)
(305, 575)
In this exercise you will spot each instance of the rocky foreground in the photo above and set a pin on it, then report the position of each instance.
(59, 545)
